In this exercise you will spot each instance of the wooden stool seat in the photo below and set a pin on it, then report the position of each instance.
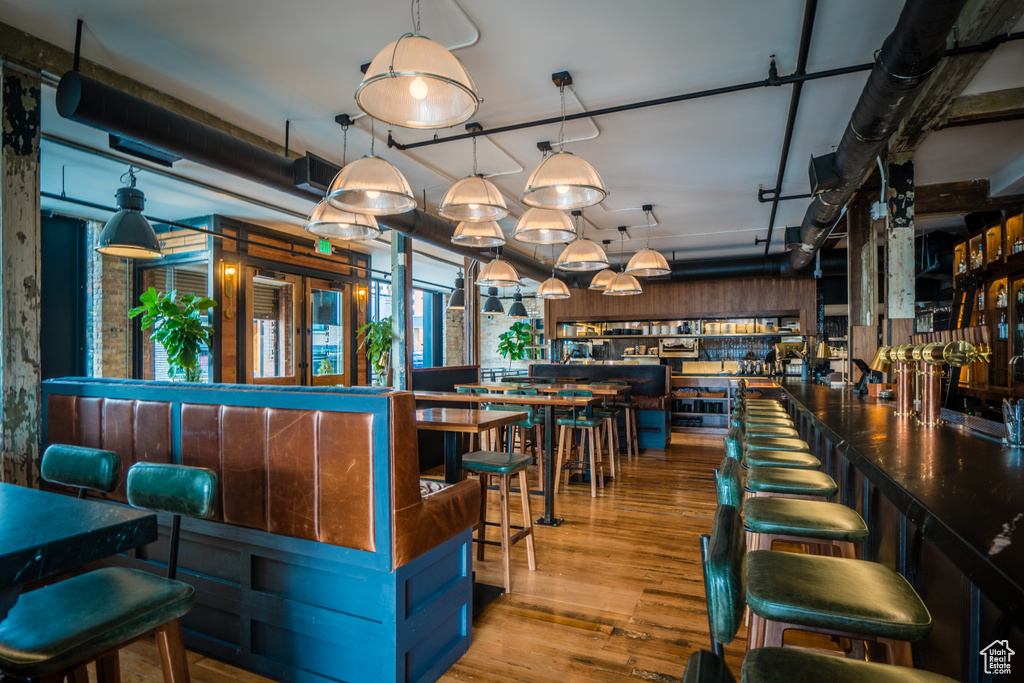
(504, 465)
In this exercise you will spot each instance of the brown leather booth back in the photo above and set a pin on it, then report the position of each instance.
(138, 431)
(301, 473)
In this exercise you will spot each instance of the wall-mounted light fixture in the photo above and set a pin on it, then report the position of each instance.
(228, 288)
(361, 299)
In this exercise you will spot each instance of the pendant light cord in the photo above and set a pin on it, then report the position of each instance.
(414, 9)
(474, 156)
(647, 215)
(344, 144)
(373, 136)
(561, 126)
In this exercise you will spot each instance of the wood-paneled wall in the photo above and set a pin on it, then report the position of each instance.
(737, 298)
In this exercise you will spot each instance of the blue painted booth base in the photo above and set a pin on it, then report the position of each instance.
(296, 610)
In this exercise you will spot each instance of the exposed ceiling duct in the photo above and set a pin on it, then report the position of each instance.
(95, 104)
(904, 63)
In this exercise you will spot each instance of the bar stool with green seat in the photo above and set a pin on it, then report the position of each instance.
(532, 423)
(52, 631)
(81, 468)
(809, 522)
(629, 409)
(855, 599)
(587, 426)
(485, 464)
(734, 448)
(725, 598)
(758, 429)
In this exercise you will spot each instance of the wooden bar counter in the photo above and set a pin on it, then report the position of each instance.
(945, 508)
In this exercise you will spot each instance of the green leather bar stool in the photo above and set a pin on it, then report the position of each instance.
(609, 433)
(862, 601)
(588, 442)
(504, 465)
(52, 632)
(753, 429)
(629, 409)
(765, 421)
(809, 522)
(793, 483)
(734, 448)
(81, 468)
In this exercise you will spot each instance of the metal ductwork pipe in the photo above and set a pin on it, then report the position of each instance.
(422, 226)
(88, 101)
(904, 63)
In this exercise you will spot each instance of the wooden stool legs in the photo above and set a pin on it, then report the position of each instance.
(588, 436)
(508, 539)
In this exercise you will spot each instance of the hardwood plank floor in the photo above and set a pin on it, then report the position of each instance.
(618, 593)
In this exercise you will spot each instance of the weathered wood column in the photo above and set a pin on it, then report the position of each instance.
(862, 267)
(401, 309)
(19, 274)
(899, 249)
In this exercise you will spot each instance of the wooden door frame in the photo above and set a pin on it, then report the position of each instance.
(298, 308)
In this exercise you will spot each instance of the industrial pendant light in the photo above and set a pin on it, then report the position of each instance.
(563, 180)
(417, 83)
(473, 199)
(481, 235)
(331, 223)
(647, 262)
(492, 304)
(128, 233)
(553, 288)
(622, 284)
(601, 279)
(371, 186)
(457, 301)
(518, 308)
(544, 226)
(498, 273)
(583, 254)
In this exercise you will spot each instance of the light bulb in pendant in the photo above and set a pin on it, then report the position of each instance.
(562, 189)
(372, 194)
(418, 88)
(474, 207)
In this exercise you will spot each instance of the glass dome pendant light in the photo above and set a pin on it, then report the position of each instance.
(583, 254)
(563, 180)
(482, 235)
(417, 83)
(623, 284)
(601, 279)
(330, 222)
(647, 262)
(371, 186)
(498, 273)
(553, 288)
(544, 226)
(473, 199)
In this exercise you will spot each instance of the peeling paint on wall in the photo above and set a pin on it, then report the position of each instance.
(19, 276)
(899, 238)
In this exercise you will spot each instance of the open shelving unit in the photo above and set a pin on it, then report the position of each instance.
(713, 402)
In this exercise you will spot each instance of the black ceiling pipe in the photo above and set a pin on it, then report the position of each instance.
(906, 60)
(96, 104)
(422, 226)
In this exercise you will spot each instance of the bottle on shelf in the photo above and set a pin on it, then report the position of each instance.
(1004, 329)
(1001, 297)
(961, 266)
(981, 299)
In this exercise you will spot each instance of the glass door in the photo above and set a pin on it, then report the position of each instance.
(271, 354)
(327, 312)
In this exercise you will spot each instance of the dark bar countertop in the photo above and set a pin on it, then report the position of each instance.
(963, 490)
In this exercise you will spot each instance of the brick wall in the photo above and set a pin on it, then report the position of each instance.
(454, 335)
(108, 352)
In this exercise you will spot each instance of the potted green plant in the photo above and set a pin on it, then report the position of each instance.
(513, 344)
(179, 325)
(377, 338)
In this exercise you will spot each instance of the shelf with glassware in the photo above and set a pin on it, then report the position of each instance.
(998, 309)
(698, 328)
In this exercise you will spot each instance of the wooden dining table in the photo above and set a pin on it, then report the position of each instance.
(596, 388)
(43, 534)
(455, 421)
(545, 402)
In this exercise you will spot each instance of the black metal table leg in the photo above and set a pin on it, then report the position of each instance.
(549, 473)
(452, 458)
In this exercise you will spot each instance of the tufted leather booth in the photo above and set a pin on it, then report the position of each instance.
(295, 472)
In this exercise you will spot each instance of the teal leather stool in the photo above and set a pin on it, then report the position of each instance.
(863, 601)
(629, 409)
(753, 429)
(504, 465)
(53, 632)
(81, 468)
(589, 443)
(789, 482)
(797, 459)
(786, 665)
(808, 522)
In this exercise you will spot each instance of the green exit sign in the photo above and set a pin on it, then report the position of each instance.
(323, 247)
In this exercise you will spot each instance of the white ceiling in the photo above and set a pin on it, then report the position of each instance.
(258, 63)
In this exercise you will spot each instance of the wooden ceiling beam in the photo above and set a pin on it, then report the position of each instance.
(988, 107)
(964, 196)
(981, 20)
